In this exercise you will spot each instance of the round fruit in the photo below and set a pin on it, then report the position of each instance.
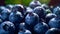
(57, 11)
(41, 28)
(5, 14)
(34, 4)
(8, 27)
(53, 31)
(31, 18)
(24, 32)
(20, 8)
(49, 16)
(28, 9)
(22, 26)
(15, 17)
(54, 23)
(40, 11)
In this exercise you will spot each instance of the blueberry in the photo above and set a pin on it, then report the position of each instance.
(15, 17)
(57, 11)
(31, 18)
(54, 23)
(40, 11)
(24, 32)
(5, 14)
(53, 31)
(29, 10)
(41, 28)
(21, 32)
(27, 32)
(20, 8)
(49, 16)
(8, 27)
(34, 4)
(22, 26)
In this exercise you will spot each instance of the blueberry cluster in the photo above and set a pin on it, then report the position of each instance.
(37, 18)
